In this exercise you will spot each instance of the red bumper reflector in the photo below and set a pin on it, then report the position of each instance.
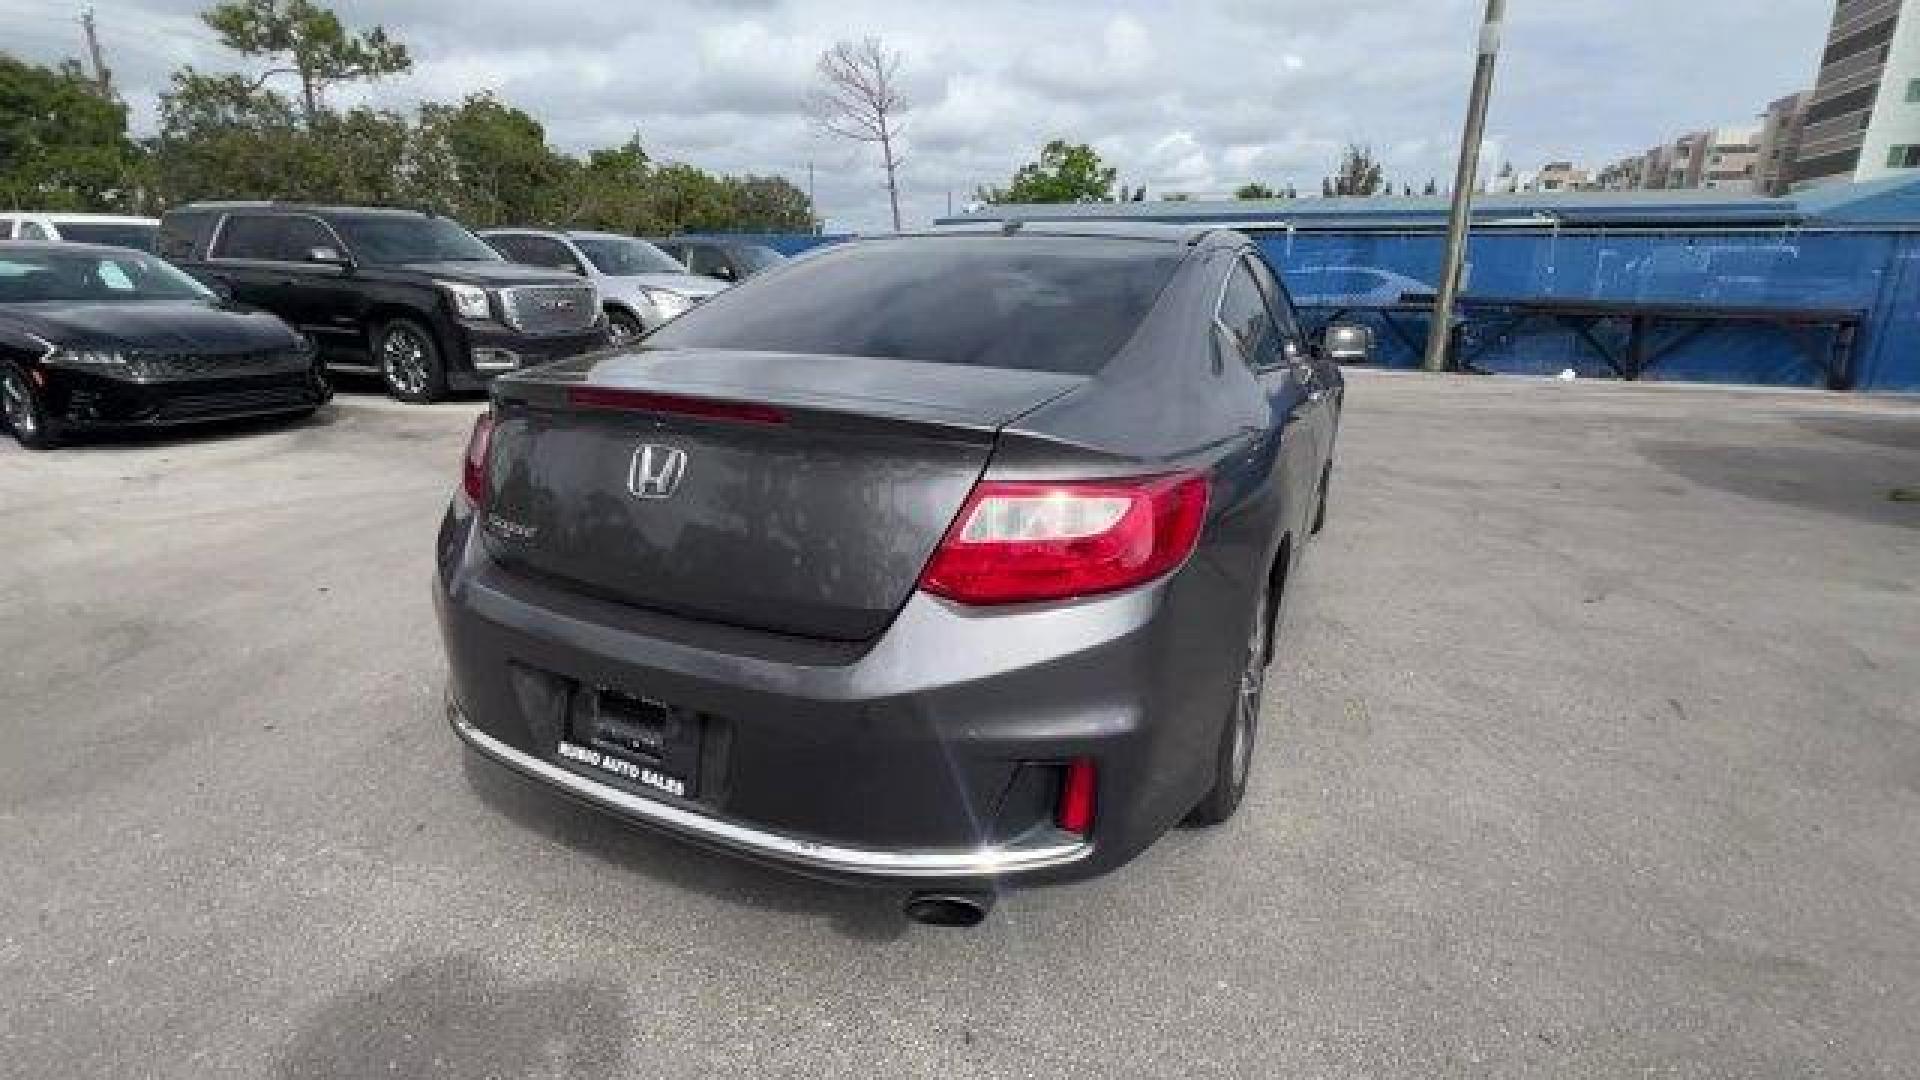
(1075, 813)
(610, 397)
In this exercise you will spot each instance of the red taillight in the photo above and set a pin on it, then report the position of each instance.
(613, 397)
(473, 472)
(1075, 812)
(1023, 542)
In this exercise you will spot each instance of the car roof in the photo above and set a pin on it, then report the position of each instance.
(1161, 232)
(301, 208)
(67, 247)
(56, 217)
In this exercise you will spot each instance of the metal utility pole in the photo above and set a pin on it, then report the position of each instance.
(1459, 216)
(813, 208)
(101, 76)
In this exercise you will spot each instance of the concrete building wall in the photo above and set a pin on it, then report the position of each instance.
(1853, 70)
(1779, 145)
(1730, 156)
(1892, 141)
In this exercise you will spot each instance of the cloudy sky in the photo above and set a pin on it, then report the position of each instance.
(1193, 97)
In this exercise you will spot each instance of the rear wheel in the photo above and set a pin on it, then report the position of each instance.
(1233, 760)
(410, 361)
(25, 416)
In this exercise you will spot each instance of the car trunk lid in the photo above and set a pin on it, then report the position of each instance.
(794, 493)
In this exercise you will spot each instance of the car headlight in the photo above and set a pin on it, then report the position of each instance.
(668, 303)
(469, 301)
(97, 359)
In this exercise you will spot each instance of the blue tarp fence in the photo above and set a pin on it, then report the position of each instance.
(1874, 272)
(1877, 272)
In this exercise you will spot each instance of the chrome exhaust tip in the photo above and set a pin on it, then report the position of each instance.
(960, 909)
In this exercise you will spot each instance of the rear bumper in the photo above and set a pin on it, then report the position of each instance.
(928, 757)
(769, 846)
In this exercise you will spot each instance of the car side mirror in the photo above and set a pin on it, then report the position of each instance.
(329, 256)
(723, 272)
(1347, 343)
(220, 289)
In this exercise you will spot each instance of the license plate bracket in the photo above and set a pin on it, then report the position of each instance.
(639, 740)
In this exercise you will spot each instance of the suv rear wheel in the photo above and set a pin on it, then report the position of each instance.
(410, 361)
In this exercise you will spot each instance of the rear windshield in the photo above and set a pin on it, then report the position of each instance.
(127, 234)
(1036, 303)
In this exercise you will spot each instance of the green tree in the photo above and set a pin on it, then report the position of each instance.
(769, 204)
(1066, 173)
(1358, 173)
(63, 146)
(609, 190)
(490, 163)
(1255, 190)
(305, 40)
(683, 198)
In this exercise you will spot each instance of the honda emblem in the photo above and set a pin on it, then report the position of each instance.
(655, 470)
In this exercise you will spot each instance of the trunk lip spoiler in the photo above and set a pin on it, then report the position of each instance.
(930, 863)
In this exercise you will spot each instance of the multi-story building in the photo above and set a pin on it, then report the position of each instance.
(1622, 175)
(1779, 145)
(1561, 176)
(1730, 156)
(1863, 120)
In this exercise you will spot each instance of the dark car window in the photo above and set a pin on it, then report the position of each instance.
(1276, 295)
(1037, 303)
(1244, 312)
(392, 239)
(182, 232)
(624, 255)
(752, 258)
(6, 228)
(705, 259)
(126, 234)
(249, 236)
(300, 235)
(85, 277)
(32, 231)
(511, 246)
(545, 251)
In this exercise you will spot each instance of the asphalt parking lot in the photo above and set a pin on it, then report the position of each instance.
(1593, 750)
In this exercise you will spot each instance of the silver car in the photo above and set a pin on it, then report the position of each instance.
(641, 286)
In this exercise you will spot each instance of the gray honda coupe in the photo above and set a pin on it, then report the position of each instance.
(944, 561)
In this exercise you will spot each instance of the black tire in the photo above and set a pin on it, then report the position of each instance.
(622, 328)
(23, 412)
(1233, 759)
(1320, 509)
(409, 361)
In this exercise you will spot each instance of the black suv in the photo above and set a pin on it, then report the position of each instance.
(412, 296)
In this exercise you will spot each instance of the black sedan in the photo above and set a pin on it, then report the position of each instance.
(942, 561)
(103, 337)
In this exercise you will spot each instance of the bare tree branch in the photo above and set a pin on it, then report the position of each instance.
(859, 99)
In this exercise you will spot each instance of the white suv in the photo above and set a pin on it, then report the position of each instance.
(640, 285)
(116, 230)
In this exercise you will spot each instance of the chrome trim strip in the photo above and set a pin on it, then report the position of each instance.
(904, 863)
